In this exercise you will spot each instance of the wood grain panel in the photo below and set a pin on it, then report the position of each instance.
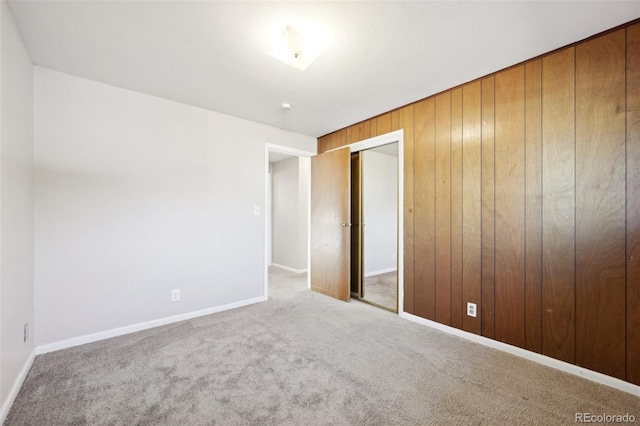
(558, 201)
(406, 122)
(600, 204)
(456, 208)
(357, 132)
(329, 145)
(366, 129)
(443, 208)
(395, 120)
(334, 141)
(349, 135)
(509, 201)
(533, 210)
(330, 206)
(471, 202)
(342, 138)
(323, 144)
(373, 127)
(424, 215)
(487, 308)
(633, 204)
(383, 124)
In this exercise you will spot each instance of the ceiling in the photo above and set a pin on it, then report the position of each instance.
(381, 55)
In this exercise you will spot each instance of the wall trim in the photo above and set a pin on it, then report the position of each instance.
(286, 268)
(380, 272)
(120, 331)
(575, 370)
(17, 384)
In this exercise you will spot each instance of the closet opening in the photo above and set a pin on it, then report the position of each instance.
(374, 226)
(356, 229)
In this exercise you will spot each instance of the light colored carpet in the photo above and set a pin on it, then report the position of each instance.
(382, 289)
(301, 359)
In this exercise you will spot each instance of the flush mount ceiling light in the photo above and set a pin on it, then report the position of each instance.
(298, 49)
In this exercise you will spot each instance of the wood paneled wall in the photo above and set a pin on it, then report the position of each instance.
(522, 195)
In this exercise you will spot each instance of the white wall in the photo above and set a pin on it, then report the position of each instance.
(137, 195)
(379, 198)
(290, 197)
(16, 207)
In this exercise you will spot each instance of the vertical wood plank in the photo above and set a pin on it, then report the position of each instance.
(633, 204)
(366, 129)
(357, 134)
(383, 124)
(533, 211)
(406, 123)
(488, 209)
(423, 198)
(509, 199)
(373, 127)
(322, 144)
(456, 208)
(349, 135)
(443, 208)
(395, 120)
(334, 141)
(558, 201)
(342, 137)
(471, 202)
(333, 137)
(600, 204)
(329, 144)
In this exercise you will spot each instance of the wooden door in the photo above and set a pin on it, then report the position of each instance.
(330, 223)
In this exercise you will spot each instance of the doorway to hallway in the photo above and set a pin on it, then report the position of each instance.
(287, 191)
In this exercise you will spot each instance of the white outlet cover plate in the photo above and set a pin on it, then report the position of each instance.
(471, 309)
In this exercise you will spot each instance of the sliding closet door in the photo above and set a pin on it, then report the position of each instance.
(330, 223)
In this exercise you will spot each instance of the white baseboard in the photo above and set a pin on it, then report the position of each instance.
(8, 402)
(380, 272)
(286, 268)
(81, 340)
(594, 376)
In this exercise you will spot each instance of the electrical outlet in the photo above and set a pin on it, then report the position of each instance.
(471, 309)
(175, 295)
(26, 332)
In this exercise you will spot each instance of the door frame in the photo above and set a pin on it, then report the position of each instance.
(387, 138)
(269, 147)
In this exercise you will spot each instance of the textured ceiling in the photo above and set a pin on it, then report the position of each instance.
(382, 54)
